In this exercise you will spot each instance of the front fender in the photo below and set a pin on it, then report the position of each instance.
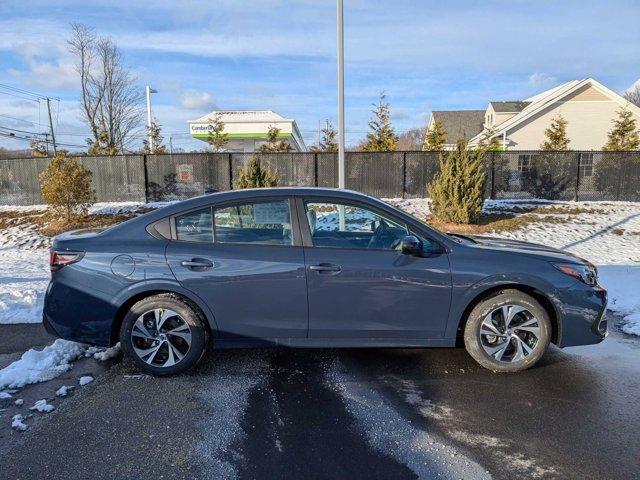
(464, 295)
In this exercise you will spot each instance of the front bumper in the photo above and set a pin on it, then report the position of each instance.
(582, 310)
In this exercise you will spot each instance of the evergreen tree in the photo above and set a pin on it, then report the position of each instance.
(274, 144)
(216, 137)
(66, 186)
(382, 137)
(156, 134)
(102, 144)
(254, 176)
(623, 136)
(489, 141)
(556, 134)
(457, 192)
(328, 142)
(435, 138)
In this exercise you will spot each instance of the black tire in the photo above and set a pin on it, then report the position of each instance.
(187, 312)
(474, 343)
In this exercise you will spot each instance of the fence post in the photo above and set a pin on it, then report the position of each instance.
(315, 169)
(493, 176)
(230, 161)
(146, 178)
(575, 197)
(404, 174)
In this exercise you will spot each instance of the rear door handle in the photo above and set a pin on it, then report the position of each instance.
(325, 268)
(197, 263)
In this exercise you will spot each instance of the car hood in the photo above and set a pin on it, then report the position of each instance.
(518, 246)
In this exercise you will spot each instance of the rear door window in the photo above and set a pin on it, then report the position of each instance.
(196, 226)
(266, 223)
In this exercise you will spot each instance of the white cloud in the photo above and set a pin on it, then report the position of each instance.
(541, 79)
(58, 73)
(194, 100)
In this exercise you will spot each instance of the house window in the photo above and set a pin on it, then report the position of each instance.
(586, 164)
(524, 163)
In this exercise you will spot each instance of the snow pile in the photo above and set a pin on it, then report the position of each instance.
(103, 354)
(24, 275)
(43, 407)
(19, 402)
(41, 365)
(64, 390)
(17, 423)
(85, 380)
(5, 395)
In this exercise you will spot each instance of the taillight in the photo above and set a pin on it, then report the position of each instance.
(57, 260)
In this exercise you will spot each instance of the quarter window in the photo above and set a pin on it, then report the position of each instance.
(267, 223)
(347, 226)
(195, 226)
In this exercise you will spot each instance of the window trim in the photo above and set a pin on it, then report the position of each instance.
(295, 228)
(307, 240)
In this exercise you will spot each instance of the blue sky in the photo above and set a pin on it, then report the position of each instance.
(280, 55)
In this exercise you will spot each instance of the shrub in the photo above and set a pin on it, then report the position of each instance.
(254, 176)
(457, 192)
(66, 186)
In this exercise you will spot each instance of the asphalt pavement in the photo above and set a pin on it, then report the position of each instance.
(387, 414)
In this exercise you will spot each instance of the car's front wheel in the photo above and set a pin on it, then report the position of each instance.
(163, 334)
(507, 332)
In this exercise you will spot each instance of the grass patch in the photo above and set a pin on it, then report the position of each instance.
(53, 226)
(50, 225)
(548, 209)
(495, 222)
(618, 231)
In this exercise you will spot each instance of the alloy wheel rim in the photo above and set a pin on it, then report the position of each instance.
(509, 333)
(161, 337)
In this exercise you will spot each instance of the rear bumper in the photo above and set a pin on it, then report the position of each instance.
(583, 311)
(78, 314)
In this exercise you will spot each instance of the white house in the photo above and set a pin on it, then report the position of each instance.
(588, 107)
(247, 129)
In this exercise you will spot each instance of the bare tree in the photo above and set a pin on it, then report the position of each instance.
(633, 95)
(411, 139)
(111, 99)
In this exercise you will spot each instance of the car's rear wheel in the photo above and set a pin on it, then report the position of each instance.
(163, 334)
(507, 332)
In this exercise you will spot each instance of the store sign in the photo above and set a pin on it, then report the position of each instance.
(185, 173)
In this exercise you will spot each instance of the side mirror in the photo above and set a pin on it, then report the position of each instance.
(411, 245)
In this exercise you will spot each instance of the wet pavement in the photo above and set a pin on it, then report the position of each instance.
(344, 414)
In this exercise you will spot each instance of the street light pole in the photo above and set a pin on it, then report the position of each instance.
(149, 91)
(340, 32)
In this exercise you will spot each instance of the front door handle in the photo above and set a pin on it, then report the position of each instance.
(197, 263)
(325, 268)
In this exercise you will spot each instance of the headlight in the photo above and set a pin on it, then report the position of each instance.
(586, 273)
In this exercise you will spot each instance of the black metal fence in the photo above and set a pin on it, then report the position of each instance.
(511, 174)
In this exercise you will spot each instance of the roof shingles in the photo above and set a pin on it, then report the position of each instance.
(466, 123)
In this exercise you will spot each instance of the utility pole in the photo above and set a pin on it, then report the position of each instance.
(318, 134)
(53, 136)
(149, 91)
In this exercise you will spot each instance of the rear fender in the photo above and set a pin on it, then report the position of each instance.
(165, 286)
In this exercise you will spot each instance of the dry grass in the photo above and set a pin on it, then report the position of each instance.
(50, 224)
(618, 231)
(495, 222)
(53, 225)
(548, 209)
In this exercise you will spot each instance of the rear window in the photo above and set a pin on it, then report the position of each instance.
(196, 226)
